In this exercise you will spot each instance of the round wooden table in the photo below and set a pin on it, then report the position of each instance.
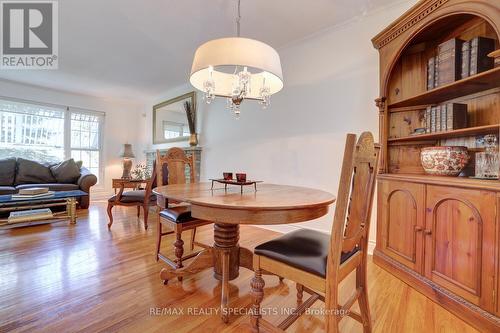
(228, 208)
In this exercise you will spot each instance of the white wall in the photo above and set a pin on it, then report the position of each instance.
(120, 123)
(331, 81)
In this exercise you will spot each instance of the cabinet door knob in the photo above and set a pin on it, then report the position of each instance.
(427, 232)
(418, 228)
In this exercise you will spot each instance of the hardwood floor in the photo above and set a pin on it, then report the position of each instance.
(84, 278)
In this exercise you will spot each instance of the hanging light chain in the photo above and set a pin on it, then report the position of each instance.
(238, 19)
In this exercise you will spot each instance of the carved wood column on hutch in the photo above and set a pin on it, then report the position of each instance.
(441, 235)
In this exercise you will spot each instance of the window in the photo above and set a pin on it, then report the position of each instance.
(33, 132)
(173, 130)
(86, 140)
(50, 134)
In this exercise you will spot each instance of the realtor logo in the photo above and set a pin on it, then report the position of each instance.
(29, 34)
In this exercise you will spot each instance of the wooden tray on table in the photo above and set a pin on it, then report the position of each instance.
(237, 183)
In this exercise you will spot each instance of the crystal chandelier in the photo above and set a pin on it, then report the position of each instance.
(237, 68)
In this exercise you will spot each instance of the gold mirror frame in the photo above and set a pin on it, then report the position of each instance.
(190, 95)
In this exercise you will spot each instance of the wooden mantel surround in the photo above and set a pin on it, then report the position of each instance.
(441, 235)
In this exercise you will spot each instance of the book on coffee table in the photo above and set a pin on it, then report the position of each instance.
(32, 196)
(30, 215)
(33, 190)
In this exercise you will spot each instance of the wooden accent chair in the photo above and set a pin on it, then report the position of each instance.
(140, 198)
(176, 216)
(318, 262)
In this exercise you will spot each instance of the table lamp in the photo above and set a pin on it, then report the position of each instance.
(127, 155)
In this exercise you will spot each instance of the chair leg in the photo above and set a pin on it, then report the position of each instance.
(193, 235)
(364, 306)
(158, 237)
(110, 215)
(332, 318)
(300, 292)
(179, 251)
(257, 292)
(146, 214)
(138, 211)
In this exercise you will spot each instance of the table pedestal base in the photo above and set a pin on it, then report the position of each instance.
(226, 257)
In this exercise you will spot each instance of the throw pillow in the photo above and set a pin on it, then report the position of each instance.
(31, 172)
(7, 171)
(66, 172)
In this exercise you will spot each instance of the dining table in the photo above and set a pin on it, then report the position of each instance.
(228, 208)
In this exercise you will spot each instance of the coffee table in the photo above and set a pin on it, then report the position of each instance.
(59, 199)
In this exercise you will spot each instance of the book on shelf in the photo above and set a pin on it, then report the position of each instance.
(438, 118)
(32, 196)
(432, 73)
(456, 116)
(30, 215)
(444, 119)
(33, 190)
(465, 60)
(480, 47)
(433, 120)
(449, 61)
(428, 119)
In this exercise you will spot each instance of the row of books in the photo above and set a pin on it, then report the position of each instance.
(457, 59)
(445, 117)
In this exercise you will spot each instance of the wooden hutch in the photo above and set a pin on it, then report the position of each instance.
(440, 235)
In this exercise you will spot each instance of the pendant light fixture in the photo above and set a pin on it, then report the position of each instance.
(237, 68)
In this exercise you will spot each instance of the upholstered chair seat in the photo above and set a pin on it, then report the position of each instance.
(303, 249)
(133, 196)
(177, 214)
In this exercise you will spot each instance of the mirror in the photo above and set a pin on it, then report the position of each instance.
(170, 122)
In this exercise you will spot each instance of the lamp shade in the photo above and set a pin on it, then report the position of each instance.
(217, 59)
(127, 151)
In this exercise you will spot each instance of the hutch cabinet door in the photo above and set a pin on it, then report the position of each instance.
(460, 242)
(400, 222)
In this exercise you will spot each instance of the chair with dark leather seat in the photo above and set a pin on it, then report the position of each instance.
(176, 216)
(139, 198)
(318, 262)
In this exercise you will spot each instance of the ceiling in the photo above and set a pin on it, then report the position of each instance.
(139, 49)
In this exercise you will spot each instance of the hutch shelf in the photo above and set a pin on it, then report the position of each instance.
(440, 235)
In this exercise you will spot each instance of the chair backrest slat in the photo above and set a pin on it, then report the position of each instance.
(176, 161)
(354, 199)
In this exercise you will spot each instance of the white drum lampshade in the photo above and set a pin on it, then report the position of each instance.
(216, 59)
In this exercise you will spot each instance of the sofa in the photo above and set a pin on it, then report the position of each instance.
(19, 173)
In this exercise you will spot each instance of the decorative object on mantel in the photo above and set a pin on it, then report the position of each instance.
(237, 68)
(141, 172)
(236, 182)
(445, 160)
(191, 117)
(127, 154)
(487, 162)
(172, 122)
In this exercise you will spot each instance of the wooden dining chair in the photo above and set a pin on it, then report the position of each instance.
(318, 262)
(139, 198)
(176, 216)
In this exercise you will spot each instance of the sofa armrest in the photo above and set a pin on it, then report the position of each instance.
(86, 180)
